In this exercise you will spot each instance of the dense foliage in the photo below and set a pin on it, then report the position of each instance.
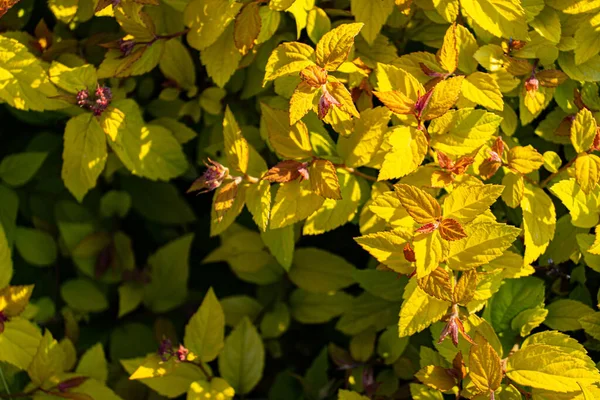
(396, 199)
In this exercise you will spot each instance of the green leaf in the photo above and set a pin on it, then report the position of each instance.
(514, 296)
(83, 295)
(217, 388)
(35, 246)
(169, 271)
(384, 284)
(238, 307)
(131, 296)
(73, 80)
(242, 360)
(390, 346)
(280, 243)
(222, 58)
(564, 314)
(205, 331)
(149, 151)
(368, 311)
(18, 169)
(93, 363)
(307, 271)
(206, 27)
(158, 201)
(591, 324)
(317, 308)
(348, 395)
(177, 64)
(275, 321)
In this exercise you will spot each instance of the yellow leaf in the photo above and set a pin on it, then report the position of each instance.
(93, 363)
(420, 205)
(524, 159)
(247, 27)
(539, 222)
(73, 80)
(437, 284)
(551, 361)
(280, 5)
(461, 132)
(436, 377)
(287, 59)
(466, 202)
(419, 310)
(335, 45)
(236, 147)
(217, 388)
(387, 247)
(48, 360)
(324, 179)
(369, 130)
(19, 342)
(258, 201)
(595, 248)
(294, 202)
(396, 101)
(447, 56)
(149, 151)
(169, 379)
(343, 96)
(84, 154)
(485, 241)
(335, 213)
(373, 14)
(465, 288)
(429, 252)
(482, 88)
(390, 77)
(408, 149)
(290, 142)
(583, 130)
(444, 96)
(587, 172)
(564, 314)
(485, 369)
(14, 299)
(514, 186)
(583, 208)
(222, 58)
(207, 20)
(349, 395)
(501, 18)
(302, 101)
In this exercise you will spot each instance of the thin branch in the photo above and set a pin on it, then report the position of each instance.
(553, 175)
(6, 389)
(361, 174)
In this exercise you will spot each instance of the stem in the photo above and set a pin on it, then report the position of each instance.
(173, 35)
(4, 381)
(250, 179)
(553, 175)
(361, 174)
(204, 371)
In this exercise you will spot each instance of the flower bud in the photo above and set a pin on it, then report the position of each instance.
(182, 353)
(532, 84)
(165, 349)
(126, 46)
(71, 383)
(212, 178)
(326, 102)
(3, 319)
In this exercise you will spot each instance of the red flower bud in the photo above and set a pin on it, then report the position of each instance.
(212, 178)
(326, 102)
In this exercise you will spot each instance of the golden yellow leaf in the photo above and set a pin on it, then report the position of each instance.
(587, 171)
(335, 45)
(444, 96)
(14, 299)
(324, 179)
(437, 284)
(396, 101)
(485, 369)
(447, 56)
(451, 229)
(420, 205)
(436, 377)
(524, 159)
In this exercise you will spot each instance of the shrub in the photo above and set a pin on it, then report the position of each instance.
(402, 192)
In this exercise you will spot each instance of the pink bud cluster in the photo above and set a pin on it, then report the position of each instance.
(96, 103)
(166, 351)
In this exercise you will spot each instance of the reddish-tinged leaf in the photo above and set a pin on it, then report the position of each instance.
(428, 228)
(286, 171)
(409, 253)
(451, 229)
